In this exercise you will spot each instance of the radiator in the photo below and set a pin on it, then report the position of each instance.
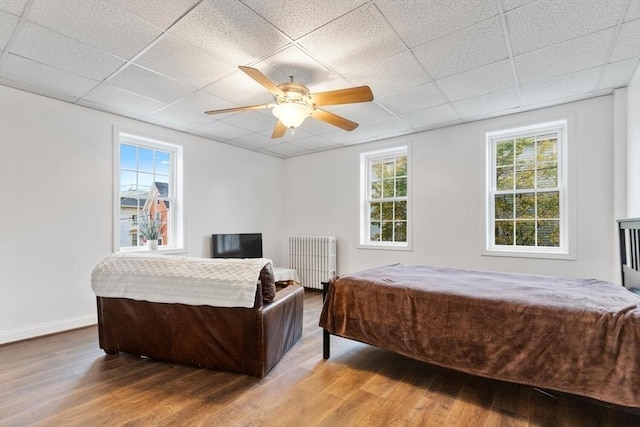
(313, 258)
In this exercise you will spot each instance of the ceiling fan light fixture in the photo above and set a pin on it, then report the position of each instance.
(292, 114)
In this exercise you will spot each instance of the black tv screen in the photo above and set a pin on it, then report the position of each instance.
(238, 245)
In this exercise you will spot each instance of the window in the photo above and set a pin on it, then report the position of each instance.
(384, 214)
(147, 180)
(527, 206)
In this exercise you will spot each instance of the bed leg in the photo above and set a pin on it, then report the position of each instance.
(326, 336)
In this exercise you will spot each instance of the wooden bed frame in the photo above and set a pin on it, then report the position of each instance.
(629, 230)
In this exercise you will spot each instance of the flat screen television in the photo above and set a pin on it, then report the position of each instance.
(237, 245)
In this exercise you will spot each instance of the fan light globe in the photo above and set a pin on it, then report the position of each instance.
(292, 114)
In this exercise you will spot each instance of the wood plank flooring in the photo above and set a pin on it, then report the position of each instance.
(66, 380)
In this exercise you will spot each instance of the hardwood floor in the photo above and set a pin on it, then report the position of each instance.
(65, 379)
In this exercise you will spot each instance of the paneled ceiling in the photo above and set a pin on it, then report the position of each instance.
(430, 63)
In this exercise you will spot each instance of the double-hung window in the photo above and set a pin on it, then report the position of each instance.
(148, 188)
(384, 213)
(527, 206)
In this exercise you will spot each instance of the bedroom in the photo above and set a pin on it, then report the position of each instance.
(57, 224)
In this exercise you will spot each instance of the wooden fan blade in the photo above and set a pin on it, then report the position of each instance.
(343, 96)
(279, 130)
(231, 110)
(263, 80)
(333, 119)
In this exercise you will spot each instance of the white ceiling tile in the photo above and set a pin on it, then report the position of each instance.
(316, 143)
(222, 131)
(298, 17)
(513, 4)
(45, 79)
(63, 52)
(179, 117)
(633, 11)
(160, 13)
(254, 141)
(40, 90)
(563, 58)
(628, 43)
(8, 23)
(488, 103)
(544, 23)
(341, 137)
(182, 61)
(240, 89)
(13, 6)
(416, 98)
(618, 74)
(364, 37)
(285, 149)
(393, 74)
(201, 101)
(108, 109)
(362, 112)
(418, 21)
(481, 80)
(97, 23)
(251, 120)
(294, 62)
(230, 31)
(121, 100)
(474, 46)
(149, 84)
(428, 117)
(386, 127)
(560, 87)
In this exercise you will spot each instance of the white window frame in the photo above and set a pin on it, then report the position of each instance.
(566, 250)
(177, 231)
(365, 188)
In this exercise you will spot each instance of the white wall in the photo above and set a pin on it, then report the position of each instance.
(633, 147)
(56, 205)
(447, 194)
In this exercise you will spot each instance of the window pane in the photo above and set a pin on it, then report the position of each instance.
(504, 153)
(128, 181)
(401, 166)
(525, 179)
(162, 184)
(504, 206)
(526, 205)
(387, 211)
(504, 233)
(504, 178)
(388, 187)
(145, 180)
(401, 210)
(375, 232)
(525, 153)
(401, 231)
(549, 233)
(375, 210)
(389, 169)
(127, 157)
(549, 204)
(547, 175)
(547, 149)
(525, 233)
(376, 189)
(376, 170)
(145, 159)
(162, 162)
(387, 231)
(401, 187)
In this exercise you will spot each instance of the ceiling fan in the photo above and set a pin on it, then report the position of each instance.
(294, 103)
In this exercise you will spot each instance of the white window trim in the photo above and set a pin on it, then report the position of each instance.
(566, 178)
(364, 242)
(178, 232)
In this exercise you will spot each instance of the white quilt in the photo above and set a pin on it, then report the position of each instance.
(178, 279)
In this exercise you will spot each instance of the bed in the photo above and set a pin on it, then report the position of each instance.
(579, 336)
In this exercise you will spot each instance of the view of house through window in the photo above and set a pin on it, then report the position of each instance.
(385, 219)
(527, 188)
(147, 194)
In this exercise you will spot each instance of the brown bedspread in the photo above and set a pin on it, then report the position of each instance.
(578, 336)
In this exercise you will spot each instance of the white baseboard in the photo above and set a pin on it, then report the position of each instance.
(47, 328)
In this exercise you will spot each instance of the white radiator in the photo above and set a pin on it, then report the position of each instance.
(314, 258)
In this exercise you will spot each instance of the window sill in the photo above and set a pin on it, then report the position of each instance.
(163, 251)
(385, 247)
(539, 254)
